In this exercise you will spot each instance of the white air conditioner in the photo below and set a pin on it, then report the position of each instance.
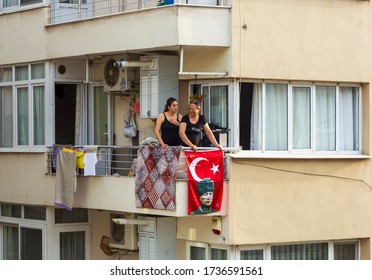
(119, 79)
(123, 236)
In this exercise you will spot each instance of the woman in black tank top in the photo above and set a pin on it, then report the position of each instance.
(167, 125)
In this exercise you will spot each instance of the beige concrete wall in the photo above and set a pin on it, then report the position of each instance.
(29, 42)
(302, 40)
(299, 200)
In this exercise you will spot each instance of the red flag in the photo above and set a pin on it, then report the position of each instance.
(205, 176)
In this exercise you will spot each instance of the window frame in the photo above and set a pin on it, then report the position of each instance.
(205, 246)
(312, 150)
(22, 222)
(29, 84)
(267, 248)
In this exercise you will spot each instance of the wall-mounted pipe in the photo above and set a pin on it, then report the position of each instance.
(142, 63)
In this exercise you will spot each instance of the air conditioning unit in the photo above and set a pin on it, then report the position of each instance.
(120, 79)
(123, 236)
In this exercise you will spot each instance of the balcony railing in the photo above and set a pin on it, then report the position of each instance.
(72, 10)
(121, 160)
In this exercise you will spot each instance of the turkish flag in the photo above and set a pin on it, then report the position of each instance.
(205, 181)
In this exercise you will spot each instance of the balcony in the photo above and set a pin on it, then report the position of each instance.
(72, 10)
(113, 186)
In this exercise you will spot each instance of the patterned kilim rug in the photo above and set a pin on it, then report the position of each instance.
(156, 172)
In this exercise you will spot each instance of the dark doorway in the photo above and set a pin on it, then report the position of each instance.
(65, 108)
(245, 115)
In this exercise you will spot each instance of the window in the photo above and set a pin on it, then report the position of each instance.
(72, 233)
(251, 255)
(22, 106)
(312, 251)
(10, 210)
(197, 251)
(300, 118)
(218, 254)
(345, 250)
(22, 230)
(215, 104)
(76, 215)
(340, 250)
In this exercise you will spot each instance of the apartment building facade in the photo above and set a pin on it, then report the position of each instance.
(285, 83)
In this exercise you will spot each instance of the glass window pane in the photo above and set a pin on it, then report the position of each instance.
(251, 255)
(21, 73)
(100, 116)
(345, 251)
(10, 243)
(218, 106)
(276, 119)
(29, 2)
(77, 215)
(31, 244)
(9, 210)
(38, 71)
(6, 74)
(72, 245)
(6, 117)
(301, 118)
(313, 251)
(219, 254)
(10, 3)
(35, 213)
(205, 104)
(325, 118)
(22, 116)
(197, 253)
(39, 115)
(349, 119)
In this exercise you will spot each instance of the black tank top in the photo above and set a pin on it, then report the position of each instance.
(170, 132)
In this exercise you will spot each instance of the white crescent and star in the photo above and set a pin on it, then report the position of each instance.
(193, 165)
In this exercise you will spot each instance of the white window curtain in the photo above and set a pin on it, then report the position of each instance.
(31, 244)
(301, 117)
(6, 117)
(314, 251)
(349, 119)
(251, 255)
(218, 254)
(72, 245)
(39, 115)
(276, 117)
(10, 243)
(6, 74)
(218, 105)
(21, 73)
(10, 3)
(325, 118)
(197, 253)
(22, 116)
(256, 118)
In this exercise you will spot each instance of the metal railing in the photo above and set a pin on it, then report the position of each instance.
(73, 10)
(121, 160)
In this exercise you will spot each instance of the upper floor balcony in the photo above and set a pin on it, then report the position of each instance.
(78, 28)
